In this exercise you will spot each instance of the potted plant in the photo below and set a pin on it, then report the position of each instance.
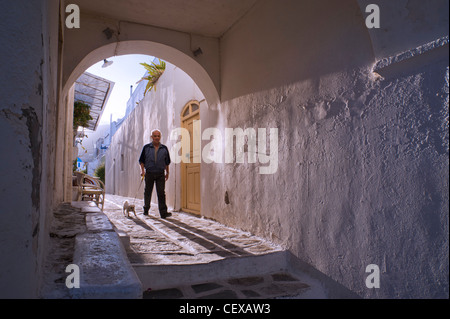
(154, 73)
(81, 115)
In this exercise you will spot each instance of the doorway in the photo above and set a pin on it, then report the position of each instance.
(190, 172)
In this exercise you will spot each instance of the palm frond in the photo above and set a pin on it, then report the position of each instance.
(154, 73)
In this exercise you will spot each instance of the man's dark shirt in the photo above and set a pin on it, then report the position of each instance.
(148, 158)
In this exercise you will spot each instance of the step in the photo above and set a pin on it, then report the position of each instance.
(105, 271)
(165, 276)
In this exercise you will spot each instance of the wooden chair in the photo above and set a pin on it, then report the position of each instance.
(90, 188)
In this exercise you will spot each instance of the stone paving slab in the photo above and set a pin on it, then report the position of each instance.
(187, 257)
(104, 270)
(183, 257)
(182, 238)
(67, 224)
(275, 285)
(81, 235)
(98, 222)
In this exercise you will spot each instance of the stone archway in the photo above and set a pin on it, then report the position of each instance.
(90, 44)
(164, 52)
(99, 38)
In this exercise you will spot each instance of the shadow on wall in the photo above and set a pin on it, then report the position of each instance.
(317, 38)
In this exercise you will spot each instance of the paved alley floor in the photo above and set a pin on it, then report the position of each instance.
(187, 256)
(182, 238)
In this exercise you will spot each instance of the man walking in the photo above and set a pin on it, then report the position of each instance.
(154, 160)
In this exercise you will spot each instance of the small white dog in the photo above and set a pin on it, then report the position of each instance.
(127, 208)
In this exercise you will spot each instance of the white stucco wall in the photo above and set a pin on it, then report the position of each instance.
(27, 125)
(363, 163)
(159, 109)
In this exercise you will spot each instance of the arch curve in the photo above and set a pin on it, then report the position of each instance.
(167, 53)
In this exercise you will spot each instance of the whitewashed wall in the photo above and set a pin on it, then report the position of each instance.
(28, 126)
(363, 162)
(160, 109)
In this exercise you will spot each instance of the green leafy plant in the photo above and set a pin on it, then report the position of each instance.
(81, 115)
(154, 73)
(100, 172)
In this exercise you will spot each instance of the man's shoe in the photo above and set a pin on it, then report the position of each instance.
(166, 215)
(145, 211)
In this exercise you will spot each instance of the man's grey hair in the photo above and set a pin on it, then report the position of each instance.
(155, 130)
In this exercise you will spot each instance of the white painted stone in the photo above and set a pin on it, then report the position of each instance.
(105, 272)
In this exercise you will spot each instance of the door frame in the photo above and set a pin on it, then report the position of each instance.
(190, 110)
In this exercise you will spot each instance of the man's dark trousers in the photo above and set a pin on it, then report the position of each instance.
(160, 180)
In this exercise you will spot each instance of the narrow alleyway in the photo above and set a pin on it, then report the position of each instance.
(181, 257)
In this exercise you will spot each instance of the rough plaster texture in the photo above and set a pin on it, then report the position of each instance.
(28, 106)
(363, 179)
(363, 175)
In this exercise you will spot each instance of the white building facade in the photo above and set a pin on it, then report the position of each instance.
(159, 109)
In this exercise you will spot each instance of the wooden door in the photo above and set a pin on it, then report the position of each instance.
(190, 172)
